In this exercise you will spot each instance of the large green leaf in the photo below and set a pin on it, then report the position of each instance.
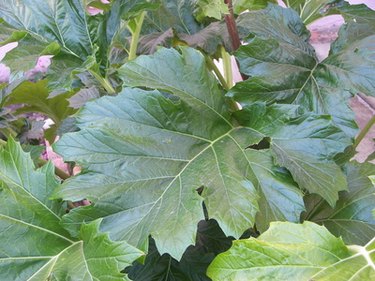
(52, 20)
(33, 244)
(147, 153)
(294, 252)
(284, 71)
(352, 216)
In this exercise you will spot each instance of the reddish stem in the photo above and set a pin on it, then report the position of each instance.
(233, 32)
(231, 26)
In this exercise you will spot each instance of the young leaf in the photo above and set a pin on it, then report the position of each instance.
(210, 8)
(240, 6)
(351, 218)
(148, 152)
(294, 252)
(47, 250)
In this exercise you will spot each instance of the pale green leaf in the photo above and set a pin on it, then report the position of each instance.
(295, 252)
(210, 8)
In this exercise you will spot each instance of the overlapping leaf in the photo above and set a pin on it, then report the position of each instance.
(352, 216)
(283, 69)
(33, 244)
(147, 153)
(294, 252)
(35, 98)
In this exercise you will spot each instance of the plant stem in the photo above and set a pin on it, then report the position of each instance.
(232, 26)
(227, 65)
(233, 31)
(104, 82)
(364, 131)
(217, 72)
(60, 173)
(135, 36)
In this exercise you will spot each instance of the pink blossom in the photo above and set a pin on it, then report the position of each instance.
(4, 73)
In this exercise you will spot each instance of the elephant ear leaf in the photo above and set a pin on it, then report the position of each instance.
(48, 251)
(151, 153)
(294, 252)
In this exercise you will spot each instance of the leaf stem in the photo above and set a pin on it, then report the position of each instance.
(232, 26)
(135, 35)
(211, 65)
(104, 82)
(60, 173)
(364, 131)
(227, 65)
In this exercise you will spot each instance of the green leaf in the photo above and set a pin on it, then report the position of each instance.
(352, 216)
(210, 8)
(36, 98)
(305, 145)
(281, 70)
(176, 14)
(50, 21)
(310, 11)
(294, 252)
(275, 22)
(280, 198)
(147, 154)
(9, 34)
(47, 251)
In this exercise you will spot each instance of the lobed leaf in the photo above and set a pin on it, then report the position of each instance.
(294, 252)
(282, 69)
(147, 154)
(33, 244)
(351, 218)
